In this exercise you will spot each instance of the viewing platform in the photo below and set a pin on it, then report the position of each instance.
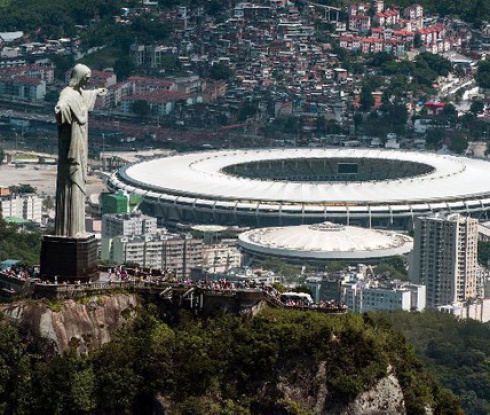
(202, 296)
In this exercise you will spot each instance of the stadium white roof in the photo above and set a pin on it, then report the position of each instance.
(200, 175)
(325, 241)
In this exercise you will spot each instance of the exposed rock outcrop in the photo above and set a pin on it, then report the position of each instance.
(311, 394)
(385, 398)
(83, 324)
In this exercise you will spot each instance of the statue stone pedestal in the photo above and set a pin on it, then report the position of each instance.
(65, 258)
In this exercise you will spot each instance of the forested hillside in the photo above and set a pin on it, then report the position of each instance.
(17, 245)
(56, 18)
(224, 365)
(457, 351)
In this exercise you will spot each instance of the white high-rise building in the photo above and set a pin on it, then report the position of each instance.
(28, 207)
(128, 224)
(445, 258)
(363, 296)
(172, 252)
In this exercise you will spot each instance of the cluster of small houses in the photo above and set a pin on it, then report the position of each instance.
(272, 48)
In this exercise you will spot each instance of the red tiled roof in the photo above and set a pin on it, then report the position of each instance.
(142, 80)
(23, 80)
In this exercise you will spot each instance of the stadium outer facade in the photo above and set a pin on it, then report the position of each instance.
(280, 187)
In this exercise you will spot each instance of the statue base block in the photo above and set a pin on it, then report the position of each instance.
(70, 259)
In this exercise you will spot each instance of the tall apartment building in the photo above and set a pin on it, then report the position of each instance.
(135, 238)
(128, 224)
(175, 253)
(28, 207)
(222, 257)
(363, 296)
(445, 258)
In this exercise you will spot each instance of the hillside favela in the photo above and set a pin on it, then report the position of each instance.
(273, 207)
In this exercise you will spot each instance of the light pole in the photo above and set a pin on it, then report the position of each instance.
(102, 156)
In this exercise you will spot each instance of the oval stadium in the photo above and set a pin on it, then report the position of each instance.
(280, 187)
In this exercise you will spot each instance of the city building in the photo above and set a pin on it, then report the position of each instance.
(362, 292)
(23, 88)
(475, 309)
(128, 224)
(170, 252)
(119, 202)
(124, 225)
(27, 207)
(219, 258)
(160, 102)
(363, 296)
(445, 258)
(319, 243)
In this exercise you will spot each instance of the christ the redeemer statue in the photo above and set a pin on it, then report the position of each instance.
(71, 112)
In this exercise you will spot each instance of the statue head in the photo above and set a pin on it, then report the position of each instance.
(79, 75)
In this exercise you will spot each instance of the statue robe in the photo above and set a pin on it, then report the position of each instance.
(72, 119)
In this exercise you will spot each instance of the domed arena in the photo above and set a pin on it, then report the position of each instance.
(280, 187)
(322, 242)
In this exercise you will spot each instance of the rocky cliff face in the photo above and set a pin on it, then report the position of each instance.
(85, 325)
(385, 397)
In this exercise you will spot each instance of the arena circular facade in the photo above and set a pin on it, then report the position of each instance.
(279, 187)
(322, 242)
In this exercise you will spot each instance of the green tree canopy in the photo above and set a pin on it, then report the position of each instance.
(141, 108)
(170, 62)
(123, 67)
(25, 247)
(367, 100)
(458, 142)
(456, 350)
(434, 138)
(22, 188)
(220, 71)
(477, 107)
(482, 76)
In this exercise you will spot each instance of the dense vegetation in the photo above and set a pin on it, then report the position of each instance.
(225, 365)
(53, 18)
(483, 252)
(482, 76)
(57, 18)
(25, 247)
(457, 351)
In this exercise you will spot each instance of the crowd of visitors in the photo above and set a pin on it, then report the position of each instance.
(121, 275)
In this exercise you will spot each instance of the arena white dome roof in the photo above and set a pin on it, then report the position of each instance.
(211, 187)
(209, 228)
(325, 241)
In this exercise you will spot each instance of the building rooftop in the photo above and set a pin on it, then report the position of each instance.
(325, 241)
(202, 175)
